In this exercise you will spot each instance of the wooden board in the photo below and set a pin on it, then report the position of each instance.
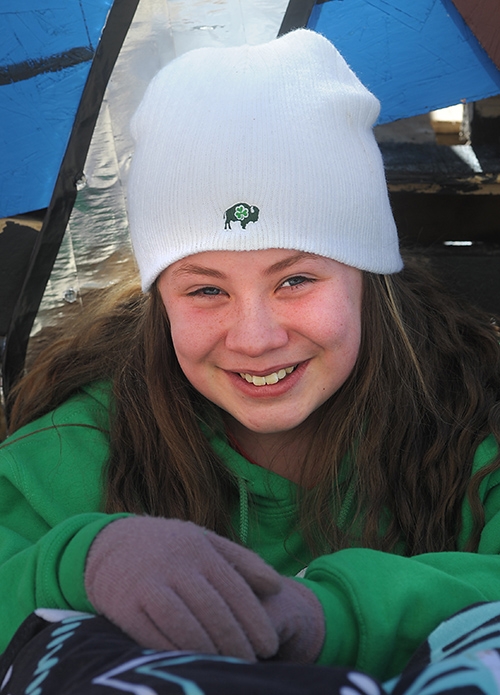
(483, 18)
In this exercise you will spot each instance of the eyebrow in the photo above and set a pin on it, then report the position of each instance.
(191, 268)
(287, 262)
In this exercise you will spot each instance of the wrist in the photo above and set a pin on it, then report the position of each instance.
(341, 640)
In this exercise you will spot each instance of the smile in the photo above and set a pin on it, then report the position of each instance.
(272, 378)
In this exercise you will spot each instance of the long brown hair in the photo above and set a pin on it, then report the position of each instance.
(423, 395)
(393, 448)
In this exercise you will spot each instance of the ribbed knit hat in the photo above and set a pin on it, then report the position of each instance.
(256, 147)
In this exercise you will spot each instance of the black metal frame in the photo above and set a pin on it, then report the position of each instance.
(57, 215)
(296, 16)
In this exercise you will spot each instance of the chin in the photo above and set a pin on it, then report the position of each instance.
(268, 426)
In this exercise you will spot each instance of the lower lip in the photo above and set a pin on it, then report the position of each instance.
(269, 390)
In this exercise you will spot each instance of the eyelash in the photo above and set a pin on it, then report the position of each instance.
(303, 280)
(202, 292)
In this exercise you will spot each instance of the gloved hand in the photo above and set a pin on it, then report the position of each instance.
(171, 584)
(298, 617)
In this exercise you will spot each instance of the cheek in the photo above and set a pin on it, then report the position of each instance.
(189, 351)
(351, 346)
(193, 339)
(344, 335)
(352, 334)
(190, 333)
(343, 343)
(185, 339)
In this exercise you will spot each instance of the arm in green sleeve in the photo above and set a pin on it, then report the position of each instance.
(51, 479)
(48, 573)
(380, 607)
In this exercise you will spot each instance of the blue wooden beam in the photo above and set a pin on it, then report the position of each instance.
(46, 51)
(415, 56)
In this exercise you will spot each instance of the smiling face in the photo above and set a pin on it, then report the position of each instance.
(266, 335)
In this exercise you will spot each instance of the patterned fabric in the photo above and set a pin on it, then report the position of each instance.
(64, 652)
(82, 654)
(461, 656)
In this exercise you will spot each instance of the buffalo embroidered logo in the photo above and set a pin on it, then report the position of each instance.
(242, 213)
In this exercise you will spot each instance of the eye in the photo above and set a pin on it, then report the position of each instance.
(296, 280)
(206, 292)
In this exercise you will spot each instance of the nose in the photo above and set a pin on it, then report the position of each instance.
(255, 329)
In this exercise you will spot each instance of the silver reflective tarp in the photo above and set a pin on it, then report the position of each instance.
(95, 251)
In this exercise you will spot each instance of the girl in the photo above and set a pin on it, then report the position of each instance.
(285, 448)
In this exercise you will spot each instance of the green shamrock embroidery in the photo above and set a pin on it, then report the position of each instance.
(241, 212)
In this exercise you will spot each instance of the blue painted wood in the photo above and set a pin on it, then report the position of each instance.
(46, 51)
(414, 55)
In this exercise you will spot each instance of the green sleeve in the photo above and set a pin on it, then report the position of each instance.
(380, 607)
(50, 512)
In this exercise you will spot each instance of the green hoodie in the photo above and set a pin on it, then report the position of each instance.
(378, 606)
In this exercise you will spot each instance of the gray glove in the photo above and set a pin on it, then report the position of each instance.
(171, 584)
(298, 617)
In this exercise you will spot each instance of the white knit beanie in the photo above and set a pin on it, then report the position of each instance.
(256, 147)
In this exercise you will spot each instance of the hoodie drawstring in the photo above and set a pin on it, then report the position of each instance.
(244, 522)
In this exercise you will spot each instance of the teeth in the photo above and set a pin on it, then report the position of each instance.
(269, 378)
